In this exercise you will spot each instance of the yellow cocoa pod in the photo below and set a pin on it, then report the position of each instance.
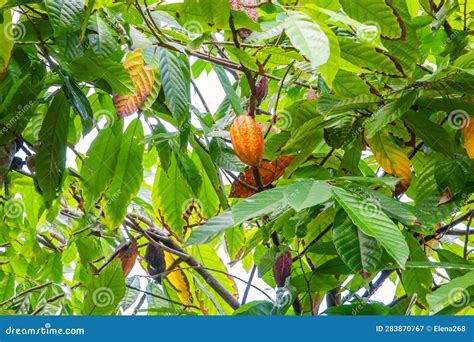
(247, 139)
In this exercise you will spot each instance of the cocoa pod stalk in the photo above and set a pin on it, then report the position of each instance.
(247, 139)
(282, 268)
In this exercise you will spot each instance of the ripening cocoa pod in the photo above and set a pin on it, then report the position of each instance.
(262, 89)
(282, 268)
(155, 258)
(247, 139)
(128, 255)
(252, 12)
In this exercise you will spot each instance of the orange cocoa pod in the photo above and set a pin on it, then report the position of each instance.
(247, 139)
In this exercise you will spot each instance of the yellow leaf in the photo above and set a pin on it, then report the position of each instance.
(468, 132)
(178, 280)
(143, 79)
(391, 157)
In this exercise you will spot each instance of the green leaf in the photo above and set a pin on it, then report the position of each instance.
(433, 135)
(6, 41)
(402, 212)
(308, 38)
(297, 114)
(302, 195)
(376, 11)
(357, 250)
(131, 295)
(190, 172)
(175, 79)
(416, 281)
(375, 224)
(299, 196)
(243, 58)
(390, 112)
(108, 74)
(200, 16)
(128, 174)
(99, 166)
(211, 171)
(223, 156)
(329, 69)
(317, 283)
(65, 15)
(207, 255)
(360, 308)
(104, 38)
(104, 291)
(347, 84)
(170, 194)
(234, 241)
(451, 173)
(368, 57)
(445, 265)
(231, 95)
(212, 229)
(78, 100)
(7, 286)
(451, 293)
(255, 308)
(330, 104)
(51, 157)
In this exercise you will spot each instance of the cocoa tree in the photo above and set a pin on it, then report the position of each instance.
(338, 159)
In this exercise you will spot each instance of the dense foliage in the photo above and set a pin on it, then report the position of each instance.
(358, 139)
